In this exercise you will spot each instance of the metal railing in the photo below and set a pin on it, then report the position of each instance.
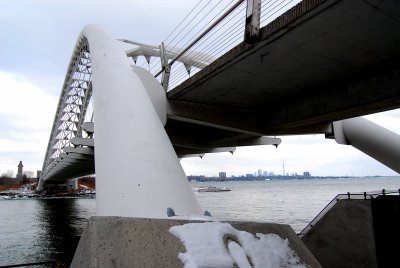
(210, 30)
(53, 264)
(352, 196)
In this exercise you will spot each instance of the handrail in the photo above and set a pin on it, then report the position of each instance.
(206, 31)
(242, 22)
(348, 195)
(54, 263)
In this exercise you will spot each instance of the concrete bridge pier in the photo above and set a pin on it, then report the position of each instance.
(72, 184)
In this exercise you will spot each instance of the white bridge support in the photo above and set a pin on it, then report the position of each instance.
(137, 171)
(370, 138)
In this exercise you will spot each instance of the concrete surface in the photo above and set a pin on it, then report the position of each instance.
(134, 242)
(344, 237)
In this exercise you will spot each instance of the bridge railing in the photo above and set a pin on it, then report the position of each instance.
(352, 196)
(210, 30)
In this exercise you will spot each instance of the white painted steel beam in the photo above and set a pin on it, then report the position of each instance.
(139, 49)
(370, 138)
(79, 150)
(82, 141)
(191, 155)
(88, 127)
(137, 171)
(183, 150)
(76, 156)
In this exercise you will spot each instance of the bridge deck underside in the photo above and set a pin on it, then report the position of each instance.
(320, 62)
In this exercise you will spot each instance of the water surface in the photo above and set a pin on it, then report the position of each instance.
(49, 229)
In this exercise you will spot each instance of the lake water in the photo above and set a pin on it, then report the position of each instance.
(49, 229)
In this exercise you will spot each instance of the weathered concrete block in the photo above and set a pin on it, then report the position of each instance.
(136, 242)
(344, 237)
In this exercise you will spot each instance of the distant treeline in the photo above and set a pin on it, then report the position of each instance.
(88, 182)
(7, 182)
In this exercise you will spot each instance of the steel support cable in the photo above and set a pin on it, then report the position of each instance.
(182, 71)
(232, 15)
(208, 23)
(271, 15)
(196, 34)
(165, 39)
(225, 44)
(204, 33)
(201, 53)
(152, 66)
(155, 65)
(181, 30)
(181, 76)
(197, 43)
(186, 26)
(209, 49)
(217, 29)
(229, 43)
(267, 2)
(179, 71)
(267, 9)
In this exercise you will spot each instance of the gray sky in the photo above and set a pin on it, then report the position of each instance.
(37, 39)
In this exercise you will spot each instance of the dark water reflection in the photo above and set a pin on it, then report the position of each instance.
(42, 230)
(62, 225)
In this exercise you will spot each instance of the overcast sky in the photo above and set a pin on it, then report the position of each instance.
(37, 39)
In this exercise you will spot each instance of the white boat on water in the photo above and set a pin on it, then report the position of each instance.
(213, 189)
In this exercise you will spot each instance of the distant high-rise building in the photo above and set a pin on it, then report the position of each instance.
(20, 171)
(222, 175)
(259, 173)
(265, 173)
(306, 174)
(283, 167)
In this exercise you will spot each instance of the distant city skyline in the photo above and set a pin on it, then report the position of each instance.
(258, 173)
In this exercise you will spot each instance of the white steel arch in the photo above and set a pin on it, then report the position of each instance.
(137, 171)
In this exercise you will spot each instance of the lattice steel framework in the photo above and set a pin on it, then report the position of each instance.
(73, 103)
(76, 95)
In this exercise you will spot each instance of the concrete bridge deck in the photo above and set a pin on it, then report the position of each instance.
(319, 62)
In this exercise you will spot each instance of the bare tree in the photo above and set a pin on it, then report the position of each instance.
(8, 173)
(29, 174)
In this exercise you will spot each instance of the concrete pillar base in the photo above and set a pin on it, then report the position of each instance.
(138, 242)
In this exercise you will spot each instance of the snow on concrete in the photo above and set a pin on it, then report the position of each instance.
(238, 255)
(217, 244)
